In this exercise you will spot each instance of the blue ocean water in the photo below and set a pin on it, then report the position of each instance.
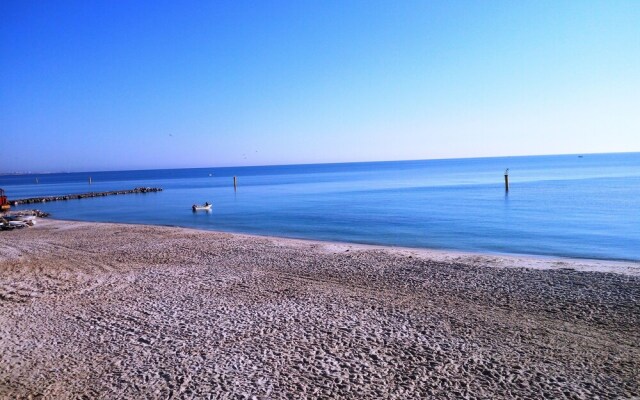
(586, 207)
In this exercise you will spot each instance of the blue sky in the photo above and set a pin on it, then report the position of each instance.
(106, 85)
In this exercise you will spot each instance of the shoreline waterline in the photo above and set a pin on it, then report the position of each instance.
(531, 261)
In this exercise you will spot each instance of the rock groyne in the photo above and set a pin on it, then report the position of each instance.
(44, 199)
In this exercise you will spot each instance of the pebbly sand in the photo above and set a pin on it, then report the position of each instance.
(93, 310)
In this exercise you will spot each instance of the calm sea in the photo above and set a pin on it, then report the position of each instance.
(586, 207)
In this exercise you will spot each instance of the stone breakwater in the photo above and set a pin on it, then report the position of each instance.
(121, 311)
(33, 200)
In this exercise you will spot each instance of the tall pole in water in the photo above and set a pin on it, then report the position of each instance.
(506, 180)
(235, 183)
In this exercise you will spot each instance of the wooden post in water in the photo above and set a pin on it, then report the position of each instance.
(235, 183)
(506, 180)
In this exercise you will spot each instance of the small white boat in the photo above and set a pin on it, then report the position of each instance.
(204, 207)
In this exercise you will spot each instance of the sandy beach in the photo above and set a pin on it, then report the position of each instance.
(91, 310)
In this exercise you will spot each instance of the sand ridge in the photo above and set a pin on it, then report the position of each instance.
(124, 311)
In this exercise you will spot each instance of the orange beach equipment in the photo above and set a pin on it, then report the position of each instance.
(4, 203)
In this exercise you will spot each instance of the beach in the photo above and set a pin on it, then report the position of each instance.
(101, 310)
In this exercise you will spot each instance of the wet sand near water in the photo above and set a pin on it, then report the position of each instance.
(122, 311)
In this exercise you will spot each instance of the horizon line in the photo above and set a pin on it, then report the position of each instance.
(320, 163)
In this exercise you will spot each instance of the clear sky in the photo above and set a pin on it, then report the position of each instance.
(107, 85)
